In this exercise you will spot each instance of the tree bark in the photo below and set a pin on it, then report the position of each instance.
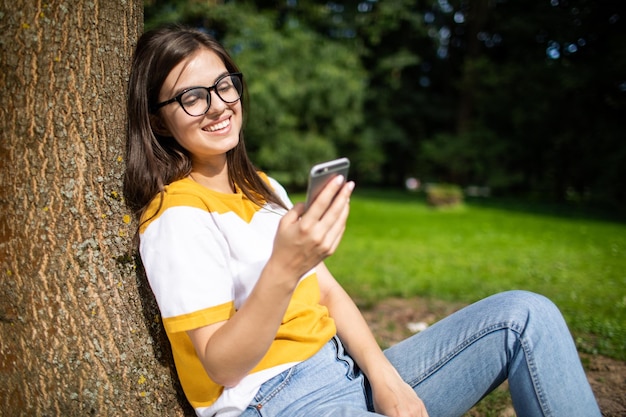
(79, 331)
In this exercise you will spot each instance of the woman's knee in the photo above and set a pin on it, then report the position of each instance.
(531, 308)
(531, 301)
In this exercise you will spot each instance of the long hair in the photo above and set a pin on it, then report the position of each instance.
(153, 160)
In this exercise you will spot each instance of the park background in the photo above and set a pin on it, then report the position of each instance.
(515, 98)
(505, 116)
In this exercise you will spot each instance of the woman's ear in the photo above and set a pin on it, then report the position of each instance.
(158, 126)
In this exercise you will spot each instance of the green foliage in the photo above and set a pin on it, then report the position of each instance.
(395, 245)
(290, 156)
(550, 91)
(397, 108)
(306, 95)
(473, 157)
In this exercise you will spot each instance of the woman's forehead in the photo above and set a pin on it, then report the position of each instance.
(199, 69)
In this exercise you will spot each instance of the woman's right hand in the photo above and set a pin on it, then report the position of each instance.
(304, 239)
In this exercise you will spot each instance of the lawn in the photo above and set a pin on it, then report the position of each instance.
(395, 245)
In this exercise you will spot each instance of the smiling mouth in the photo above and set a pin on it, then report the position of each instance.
(218, 126)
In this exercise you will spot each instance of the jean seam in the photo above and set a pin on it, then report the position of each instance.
(343, 356)
(534, 377)
(462, 346)
(274, 392)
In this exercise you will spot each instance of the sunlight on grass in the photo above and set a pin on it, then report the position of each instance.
(395, 245)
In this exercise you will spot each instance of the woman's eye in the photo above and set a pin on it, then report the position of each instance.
(192, 97)
(224, 86)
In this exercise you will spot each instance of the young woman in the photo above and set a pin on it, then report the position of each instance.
(257, 323)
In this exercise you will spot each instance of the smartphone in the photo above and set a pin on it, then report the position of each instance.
(322, 173)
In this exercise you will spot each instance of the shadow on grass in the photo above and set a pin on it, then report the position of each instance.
(564, 210)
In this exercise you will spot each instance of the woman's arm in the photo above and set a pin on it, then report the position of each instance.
(392, 396)
(231, 349)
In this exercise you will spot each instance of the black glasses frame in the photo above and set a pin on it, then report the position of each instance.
(178, 97)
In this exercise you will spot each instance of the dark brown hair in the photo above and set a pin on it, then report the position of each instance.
(153, 160)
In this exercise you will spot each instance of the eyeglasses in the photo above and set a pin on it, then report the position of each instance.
(196, 101)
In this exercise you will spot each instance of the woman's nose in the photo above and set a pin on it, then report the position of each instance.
(217, 105)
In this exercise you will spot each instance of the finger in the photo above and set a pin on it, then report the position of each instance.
(341, 200)
(335, 218)
(337, 228)
(293, 215)
(337, 239)
(323, 200)
(297, 210)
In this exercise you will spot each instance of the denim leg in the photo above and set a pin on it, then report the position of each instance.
(516, 335)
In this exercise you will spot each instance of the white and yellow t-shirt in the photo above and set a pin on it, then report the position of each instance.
(203, 252)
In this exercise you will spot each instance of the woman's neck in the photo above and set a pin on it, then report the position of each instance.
(212, 177)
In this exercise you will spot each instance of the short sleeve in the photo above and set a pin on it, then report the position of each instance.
(187, 265)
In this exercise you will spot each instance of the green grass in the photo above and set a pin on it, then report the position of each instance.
(395, 245)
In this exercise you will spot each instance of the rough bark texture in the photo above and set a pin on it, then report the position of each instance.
(79, 331)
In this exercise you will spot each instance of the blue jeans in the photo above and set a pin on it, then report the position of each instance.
(516, 335)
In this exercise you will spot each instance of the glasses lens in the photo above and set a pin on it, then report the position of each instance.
(229, 88)
(195, 101)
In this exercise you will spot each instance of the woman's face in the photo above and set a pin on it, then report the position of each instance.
(208, 137)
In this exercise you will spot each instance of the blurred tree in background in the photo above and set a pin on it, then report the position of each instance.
(524, 97)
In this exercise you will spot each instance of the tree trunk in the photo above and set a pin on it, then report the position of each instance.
(476, 18)
(79, 333)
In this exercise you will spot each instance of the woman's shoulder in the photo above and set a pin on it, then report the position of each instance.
(180, 193)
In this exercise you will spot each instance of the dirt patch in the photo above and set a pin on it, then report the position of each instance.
(394, 319)
(608, 380)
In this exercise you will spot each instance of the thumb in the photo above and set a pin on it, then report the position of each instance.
(295, 213)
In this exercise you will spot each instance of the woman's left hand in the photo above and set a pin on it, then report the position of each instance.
(395, 398)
